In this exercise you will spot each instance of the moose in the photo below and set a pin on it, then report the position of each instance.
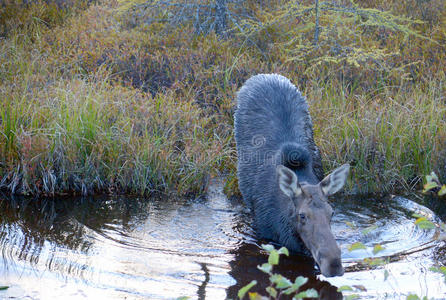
(280, 170)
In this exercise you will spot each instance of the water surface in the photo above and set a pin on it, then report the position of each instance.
(139, 248)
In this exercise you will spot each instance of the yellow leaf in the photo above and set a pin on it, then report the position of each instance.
(429, 186)
(442, 191)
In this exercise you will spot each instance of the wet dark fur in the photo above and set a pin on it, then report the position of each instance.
(272, 127)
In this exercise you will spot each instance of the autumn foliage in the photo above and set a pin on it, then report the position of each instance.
(96, 99)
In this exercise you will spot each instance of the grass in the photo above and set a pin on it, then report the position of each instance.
(93, 137)
(85, 135)
(91, 104)
(392, 136)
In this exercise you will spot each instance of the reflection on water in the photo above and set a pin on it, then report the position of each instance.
(410, 250)
(244, 269)
(135, 248)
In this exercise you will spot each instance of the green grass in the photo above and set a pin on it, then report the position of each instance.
(86, 137)
(90, 105)
(392, 136)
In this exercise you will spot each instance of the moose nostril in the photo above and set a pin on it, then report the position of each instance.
(336, 267)
(336, 263)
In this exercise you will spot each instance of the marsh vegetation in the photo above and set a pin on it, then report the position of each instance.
(104, 97)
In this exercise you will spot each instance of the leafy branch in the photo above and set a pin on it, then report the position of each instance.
(433, 185)
(279, 285)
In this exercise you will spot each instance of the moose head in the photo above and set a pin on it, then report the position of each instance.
(313, 215)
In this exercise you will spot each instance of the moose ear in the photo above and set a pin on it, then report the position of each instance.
(288, 182)
(335, 181)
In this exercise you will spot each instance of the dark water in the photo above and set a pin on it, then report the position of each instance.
(130, 248)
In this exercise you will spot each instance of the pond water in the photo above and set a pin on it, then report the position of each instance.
(136, 248)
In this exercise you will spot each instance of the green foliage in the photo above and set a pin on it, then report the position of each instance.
(441, 270)
(273, 258)
(345, 288)
(369, 229)
(310, 293)
(2, 288)
(242, 292)
(279, 285)
(356, 246)
(377, 248)
(350, 290)
(415, 297)
(375, 262)
(433, 184)
(424, 223)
